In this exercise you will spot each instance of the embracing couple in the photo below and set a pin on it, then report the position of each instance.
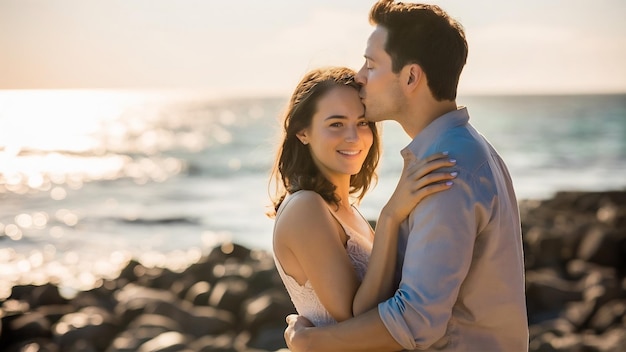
(444, 268)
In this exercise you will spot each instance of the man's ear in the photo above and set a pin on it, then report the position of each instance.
(413, 74)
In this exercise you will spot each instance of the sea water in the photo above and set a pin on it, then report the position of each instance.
(89, 179)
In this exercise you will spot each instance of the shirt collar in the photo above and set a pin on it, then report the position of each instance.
(420, 144)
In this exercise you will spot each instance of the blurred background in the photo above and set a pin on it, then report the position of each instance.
(146, 129)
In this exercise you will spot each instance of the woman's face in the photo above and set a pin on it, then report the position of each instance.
(339, 136)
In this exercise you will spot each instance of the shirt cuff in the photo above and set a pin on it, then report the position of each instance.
(395, 324)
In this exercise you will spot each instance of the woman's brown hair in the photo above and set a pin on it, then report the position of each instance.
(294, 168)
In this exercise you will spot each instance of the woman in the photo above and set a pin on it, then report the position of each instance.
(332, 263)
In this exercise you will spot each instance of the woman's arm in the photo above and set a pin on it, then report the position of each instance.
(308, 243)
(417, 181)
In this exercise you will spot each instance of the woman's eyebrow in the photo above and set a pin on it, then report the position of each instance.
(342, 117)
(335, 117)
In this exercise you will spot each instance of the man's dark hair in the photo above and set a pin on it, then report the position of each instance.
(424, 35)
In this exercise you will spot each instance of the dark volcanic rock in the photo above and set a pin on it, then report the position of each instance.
(575, 247)
(207, 307)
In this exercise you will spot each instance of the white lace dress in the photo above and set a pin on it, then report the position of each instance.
(359, 248)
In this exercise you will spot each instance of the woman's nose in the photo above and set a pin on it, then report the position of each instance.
(352, 135)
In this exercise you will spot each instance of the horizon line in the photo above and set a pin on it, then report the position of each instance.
(212, 93)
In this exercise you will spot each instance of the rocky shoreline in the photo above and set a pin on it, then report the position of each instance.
(233, 300)
(575, 251)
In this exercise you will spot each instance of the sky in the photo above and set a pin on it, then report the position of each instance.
(252, 47)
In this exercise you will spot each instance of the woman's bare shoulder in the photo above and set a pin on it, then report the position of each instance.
(302, 201)
(306, 213)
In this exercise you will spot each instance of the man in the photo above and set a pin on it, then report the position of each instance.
(460, 252)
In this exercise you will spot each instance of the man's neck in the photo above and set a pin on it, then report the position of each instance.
(422, 115)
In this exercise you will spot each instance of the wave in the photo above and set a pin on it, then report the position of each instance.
(173, 220)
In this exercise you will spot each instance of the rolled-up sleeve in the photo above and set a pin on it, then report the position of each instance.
(442, 232)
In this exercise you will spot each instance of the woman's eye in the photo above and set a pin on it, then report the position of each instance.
(336, 124)
(364, 123)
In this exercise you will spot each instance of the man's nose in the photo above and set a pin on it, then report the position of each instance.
(360, 76)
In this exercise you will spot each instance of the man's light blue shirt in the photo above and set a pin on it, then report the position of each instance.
(460, 253)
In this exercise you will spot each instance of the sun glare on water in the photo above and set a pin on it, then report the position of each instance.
(56, 120)
(65, 137)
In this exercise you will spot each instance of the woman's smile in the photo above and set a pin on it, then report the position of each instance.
(349, 152)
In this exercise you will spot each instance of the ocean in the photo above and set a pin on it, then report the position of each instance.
(89, 179)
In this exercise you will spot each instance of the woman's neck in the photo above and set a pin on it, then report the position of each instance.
(344, 198)
(342, 191)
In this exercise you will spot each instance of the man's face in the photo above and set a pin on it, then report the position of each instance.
(380, 86)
